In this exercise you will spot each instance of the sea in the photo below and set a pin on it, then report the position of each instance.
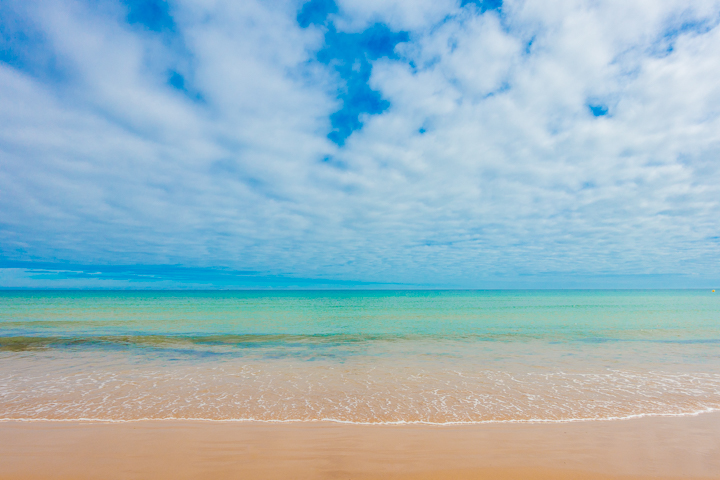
(368, 357)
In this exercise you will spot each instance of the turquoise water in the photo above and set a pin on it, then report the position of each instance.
(359, 356)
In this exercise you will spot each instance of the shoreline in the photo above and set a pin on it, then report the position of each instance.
(651, 447)
(330, 421)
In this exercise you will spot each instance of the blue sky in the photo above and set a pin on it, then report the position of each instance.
(359, 144)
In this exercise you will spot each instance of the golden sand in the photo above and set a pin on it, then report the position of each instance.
(659, 447)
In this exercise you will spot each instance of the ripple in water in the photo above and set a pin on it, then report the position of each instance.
(366, 357)
(348, 393)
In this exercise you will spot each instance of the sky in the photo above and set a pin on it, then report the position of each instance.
(359, 144)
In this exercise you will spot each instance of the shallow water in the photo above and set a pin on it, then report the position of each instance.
(409, 356)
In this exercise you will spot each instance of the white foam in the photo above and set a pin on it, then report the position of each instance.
(370, 395)
(350, 422)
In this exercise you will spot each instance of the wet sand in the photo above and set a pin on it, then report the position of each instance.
(657, 447)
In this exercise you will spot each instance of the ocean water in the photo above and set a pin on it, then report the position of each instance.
(358, 356)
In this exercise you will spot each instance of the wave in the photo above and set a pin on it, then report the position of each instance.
(352, 422)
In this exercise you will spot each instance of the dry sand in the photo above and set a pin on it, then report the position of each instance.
(660, 447)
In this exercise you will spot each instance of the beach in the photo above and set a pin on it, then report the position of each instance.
(338, 385)
(642, 448)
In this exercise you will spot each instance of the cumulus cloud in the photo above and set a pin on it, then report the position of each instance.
(515, 144)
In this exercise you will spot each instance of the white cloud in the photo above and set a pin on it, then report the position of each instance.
(511, 175)
(356, 15)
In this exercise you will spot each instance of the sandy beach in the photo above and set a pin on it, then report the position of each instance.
(651, 447)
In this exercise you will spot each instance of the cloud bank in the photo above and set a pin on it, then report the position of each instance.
(433, 143)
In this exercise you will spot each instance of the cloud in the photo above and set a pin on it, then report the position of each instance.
(73, 276)
(481, 144)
